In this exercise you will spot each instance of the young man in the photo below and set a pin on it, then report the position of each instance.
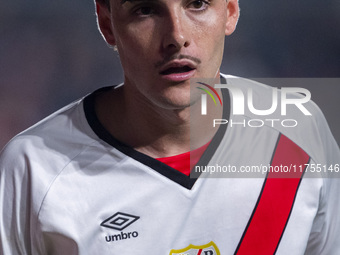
(108, 174)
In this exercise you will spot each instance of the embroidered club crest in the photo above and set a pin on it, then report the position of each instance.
(208, 249)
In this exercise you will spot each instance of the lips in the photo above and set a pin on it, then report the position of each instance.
(178, 66)
(178, 70)
(182, 69)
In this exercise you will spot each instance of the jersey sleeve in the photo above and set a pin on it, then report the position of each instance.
(325, 233)
(29, 166)
(16, 205)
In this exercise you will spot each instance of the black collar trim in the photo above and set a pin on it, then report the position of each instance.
(167, 171)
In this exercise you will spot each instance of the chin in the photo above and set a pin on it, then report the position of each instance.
(174, 104)
(178, 102)
(175, 97)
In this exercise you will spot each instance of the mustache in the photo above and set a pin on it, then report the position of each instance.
(179, 56)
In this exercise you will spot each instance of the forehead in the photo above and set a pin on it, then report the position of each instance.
(121, 2)
(131, 1)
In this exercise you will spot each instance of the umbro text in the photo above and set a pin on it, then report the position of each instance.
(121, 236)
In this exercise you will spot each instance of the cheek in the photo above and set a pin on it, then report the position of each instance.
(210, 46)
(141, 35)
(135, 49)
(210, 31)
(139, 43)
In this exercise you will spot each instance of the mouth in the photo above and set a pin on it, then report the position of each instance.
(177, 70)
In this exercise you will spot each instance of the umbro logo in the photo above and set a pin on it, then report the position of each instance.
(119, 221)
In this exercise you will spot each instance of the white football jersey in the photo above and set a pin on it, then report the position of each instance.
(68, 187)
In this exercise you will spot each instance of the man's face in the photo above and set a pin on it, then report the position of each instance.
(164, 43)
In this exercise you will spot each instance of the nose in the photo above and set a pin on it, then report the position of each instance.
(175, 32)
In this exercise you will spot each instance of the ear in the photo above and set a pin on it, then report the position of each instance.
(233, 13)
(104, 23)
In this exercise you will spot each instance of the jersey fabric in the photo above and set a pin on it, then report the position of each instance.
(186, 161)
(68, 187)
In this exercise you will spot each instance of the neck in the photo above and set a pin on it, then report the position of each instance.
(155, 131)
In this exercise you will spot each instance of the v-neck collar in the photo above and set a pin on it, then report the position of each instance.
(163, 169)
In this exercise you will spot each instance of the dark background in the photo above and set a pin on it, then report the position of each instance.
(51, 54)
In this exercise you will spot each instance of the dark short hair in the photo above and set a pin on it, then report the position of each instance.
(106, 2)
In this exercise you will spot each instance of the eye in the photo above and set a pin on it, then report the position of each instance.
(145, 11)
(198, 5)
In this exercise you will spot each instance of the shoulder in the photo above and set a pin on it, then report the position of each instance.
(301, 121)
(50, 144)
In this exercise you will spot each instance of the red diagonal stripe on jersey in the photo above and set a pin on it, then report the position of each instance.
(199, 252)
(271, 213)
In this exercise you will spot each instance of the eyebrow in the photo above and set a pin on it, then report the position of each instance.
(131, 1)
